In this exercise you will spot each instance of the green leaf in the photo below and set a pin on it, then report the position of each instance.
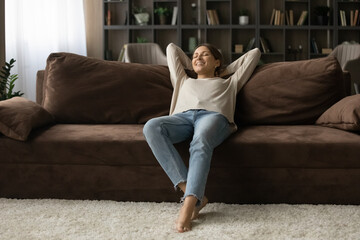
(7, 81)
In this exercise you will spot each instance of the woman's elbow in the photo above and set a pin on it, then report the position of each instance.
(170, 48)
(257, 55)
(257, 52)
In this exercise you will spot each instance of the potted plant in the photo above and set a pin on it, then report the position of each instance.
(141, 17)
(243, 17)
(141, 40)
(322, 14)
(163, 13)
(7, 82)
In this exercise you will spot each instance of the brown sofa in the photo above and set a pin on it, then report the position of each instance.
(297, 141)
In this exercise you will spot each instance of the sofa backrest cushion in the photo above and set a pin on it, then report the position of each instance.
(290, 92)
(80, 89)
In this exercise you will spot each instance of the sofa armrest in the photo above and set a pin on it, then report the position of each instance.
(40, 77)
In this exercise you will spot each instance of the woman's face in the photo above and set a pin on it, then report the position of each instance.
(204, 63)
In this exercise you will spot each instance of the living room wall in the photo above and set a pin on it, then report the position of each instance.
(2, 32)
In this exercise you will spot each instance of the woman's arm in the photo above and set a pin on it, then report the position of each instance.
(177, 61)
(243, 67)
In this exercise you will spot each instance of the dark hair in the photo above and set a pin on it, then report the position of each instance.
(217, 55)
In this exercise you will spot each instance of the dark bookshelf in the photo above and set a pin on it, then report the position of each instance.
(288, 42)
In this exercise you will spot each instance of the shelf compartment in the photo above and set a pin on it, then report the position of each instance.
(222, 9)
(191, 15)
(314, 19)
(212, 36)
(112, 46)
(146, 5)
(118, 13)
(140, 36)
(321, 39)
(297, 45)
(298, 7)
(198, 34)
(238, 5)
(347, 6)
(266, 9)
(164, 37)
(243, 37)
(273, 41)
(164, 4)
(349, 34)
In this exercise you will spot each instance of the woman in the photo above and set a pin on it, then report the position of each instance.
(202, 109)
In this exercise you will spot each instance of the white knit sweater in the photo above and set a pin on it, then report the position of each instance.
(212, 94)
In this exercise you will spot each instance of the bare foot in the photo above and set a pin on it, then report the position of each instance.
(183, 224)
(196, 211)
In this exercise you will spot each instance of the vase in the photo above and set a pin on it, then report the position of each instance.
(244, 20)
(162, 19)
(142, 18)
(192, 44)
(323, 20)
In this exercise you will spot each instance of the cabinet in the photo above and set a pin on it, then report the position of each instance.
(285, 42)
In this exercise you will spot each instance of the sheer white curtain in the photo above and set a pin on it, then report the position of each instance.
(36, 28)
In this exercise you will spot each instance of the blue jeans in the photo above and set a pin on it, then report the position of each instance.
(207, 130)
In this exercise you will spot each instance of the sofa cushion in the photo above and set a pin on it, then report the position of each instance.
(283, 146)
(344, 114)
(80, 89)
(290, 92)
(18, 116)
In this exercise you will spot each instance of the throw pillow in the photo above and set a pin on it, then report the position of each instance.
(80, 89)
(18, 116)
(295, 92)
(344, 114)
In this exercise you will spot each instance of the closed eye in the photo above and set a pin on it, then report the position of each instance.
(201, 54)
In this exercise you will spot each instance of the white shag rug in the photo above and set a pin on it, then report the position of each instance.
(78, 220)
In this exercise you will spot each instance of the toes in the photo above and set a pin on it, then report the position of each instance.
(182, 229)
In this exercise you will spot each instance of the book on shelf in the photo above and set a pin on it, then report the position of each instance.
(287, 17)
(265, 45)
(108, 17)
(343, 18)
(277, 17)
(208, 17)
(174, 15)
(302, 18)
(354, 17)
(251, 44)
(272, 16)
(314, 46)
(291, 17)
(216, 16)
(212, 17)
(282, 18)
